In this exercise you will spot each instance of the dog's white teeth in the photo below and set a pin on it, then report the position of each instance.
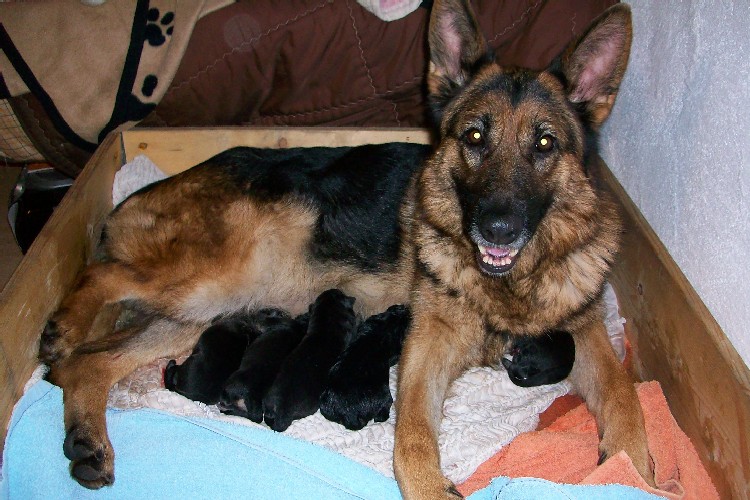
(495, 261)
(482, 250)
(513, 252)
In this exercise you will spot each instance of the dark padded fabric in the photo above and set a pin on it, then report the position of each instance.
(328, 62)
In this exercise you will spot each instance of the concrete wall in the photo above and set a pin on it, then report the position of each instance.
(679, 141)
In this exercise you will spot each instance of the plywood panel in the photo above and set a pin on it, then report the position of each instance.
(175, 150)
(49, 269)
(677, 342)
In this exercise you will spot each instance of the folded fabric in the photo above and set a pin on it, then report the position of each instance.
(529, 488)
(95, 68)
(160, 455)
(566, 451)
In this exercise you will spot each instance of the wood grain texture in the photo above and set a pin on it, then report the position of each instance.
(175, 150)
(677, 342)
(49, 269)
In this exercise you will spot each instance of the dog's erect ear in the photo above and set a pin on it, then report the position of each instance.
(456, 48)
(593, 65)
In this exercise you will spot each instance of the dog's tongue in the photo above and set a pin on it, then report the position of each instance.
(498, 252)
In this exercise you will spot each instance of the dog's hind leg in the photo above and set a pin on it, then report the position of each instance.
(100, 285)
(602, 381)
(86, 376)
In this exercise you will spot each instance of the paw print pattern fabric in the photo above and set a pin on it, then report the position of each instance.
(103, 66)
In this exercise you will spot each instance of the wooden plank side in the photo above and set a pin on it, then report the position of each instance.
(174, 150)
(677, 342)
(49, 269)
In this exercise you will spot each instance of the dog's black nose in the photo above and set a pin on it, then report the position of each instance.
(500, 229)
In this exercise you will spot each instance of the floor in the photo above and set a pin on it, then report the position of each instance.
(10, 253)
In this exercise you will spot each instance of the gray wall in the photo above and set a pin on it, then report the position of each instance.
(679, 141)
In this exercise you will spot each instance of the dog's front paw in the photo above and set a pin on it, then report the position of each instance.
(446, 489)
(452, 492)
(636, 447)
(91, 460)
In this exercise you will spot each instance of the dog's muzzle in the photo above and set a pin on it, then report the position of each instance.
(499, 238)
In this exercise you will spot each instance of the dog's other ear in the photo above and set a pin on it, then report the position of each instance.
(457, 47)
(593, 65)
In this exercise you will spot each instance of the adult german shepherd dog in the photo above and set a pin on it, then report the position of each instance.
(499, 230)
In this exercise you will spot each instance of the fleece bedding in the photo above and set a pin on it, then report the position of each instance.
(165, 456)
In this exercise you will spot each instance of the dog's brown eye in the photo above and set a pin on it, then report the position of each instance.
(545, 143)
(474, 137)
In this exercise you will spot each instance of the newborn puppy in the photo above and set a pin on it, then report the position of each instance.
(244, 390)
(546, 359)
(296, 391)
(216, 356)
(357, 388)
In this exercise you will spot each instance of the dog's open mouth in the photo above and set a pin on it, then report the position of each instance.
(496, 260)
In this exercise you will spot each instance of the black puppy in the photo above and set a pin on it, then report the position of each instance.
(357, 387)
(296, 391)
(214, 358)
(244, 390)
(546, 359)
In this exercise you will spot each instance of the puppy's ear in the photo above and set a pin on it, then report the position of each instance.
(457, 47)
(593, 65)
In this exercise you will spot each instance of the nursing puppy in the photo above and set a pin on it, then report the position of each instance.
(296, 391)
(247, 229)
(244, 390)
(215, 357)
(357, 389)
(498, 230)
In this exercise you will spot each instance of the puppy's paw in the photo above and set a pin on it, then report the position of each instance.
(355, 410)
(337, 409)
(237, 399)
(275, 416)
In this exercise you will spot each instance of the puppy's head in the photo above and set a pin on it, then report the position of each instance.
(538, 360)
(216, 355)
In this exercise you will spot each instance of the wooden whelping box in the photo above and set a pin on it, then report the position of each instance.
(675, 339)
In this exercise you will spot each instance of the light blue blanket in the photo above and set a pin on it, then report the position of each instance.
(160, 455)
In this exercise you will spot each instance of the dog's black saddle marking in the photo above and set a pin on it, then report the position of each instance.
(357, 190)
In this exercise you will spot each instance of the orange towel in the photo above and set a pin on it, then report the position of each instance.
(566, 451)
